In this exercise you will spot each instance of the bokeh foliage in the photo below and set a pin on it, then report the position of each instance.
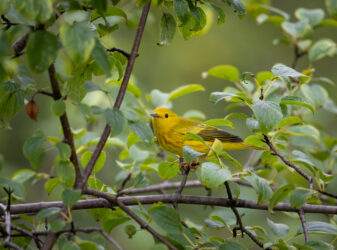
(279, 101)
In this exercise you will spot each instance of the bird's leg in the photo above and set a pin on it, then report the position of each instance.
(185, 169)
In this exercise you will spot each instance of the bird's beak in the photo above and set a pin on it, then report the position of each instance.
(155, 115)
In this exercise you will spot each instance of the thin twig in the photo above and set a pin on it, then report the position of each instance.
(123, 52)
(288, 163)
(252, 236)
(297, 56)
(327, 194)
(119, 191)
(68, 135)
(185, 171)
(25, 232)
(235, 210)
(131, 60)
(119, 202)
(304, 224)
(13, 245)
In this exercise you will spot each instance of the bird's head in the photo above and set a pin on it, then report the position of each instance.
(162, 115)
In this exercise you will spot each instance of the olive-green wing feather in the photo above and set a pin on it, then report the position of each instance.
(211, 133)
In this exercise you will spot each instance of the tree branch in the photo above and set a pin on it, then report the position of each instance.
(304, 224)
(68, 136)
(169, 199)
(124, 53)
(118, 202)
(24, 232)
(252, 236)
(88, 169)
(288, 163)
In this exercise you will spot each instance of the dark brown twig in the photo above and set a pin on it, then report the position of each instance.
(297, 56)
(253, 238)
(88, 169)
(304, 224)
(119, 191)
(185, 171)
(327, 194)
(123, 52)
(24, 232)
(118, 202)
(235, 211)
(68, 135)
(288, 163)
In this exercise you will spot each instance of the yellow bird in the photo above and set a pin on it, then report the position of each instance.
(170, 130)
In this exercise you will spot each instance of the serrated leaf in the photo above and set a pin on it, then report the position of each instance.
(295, 100)
(212, 175)
(226, 72)
(167, 218)
(142, 130)
(315, 93)
(261, 187)
(99, 163)
(47, 212)
(58, 107)
(319, 227)
(282, 70)
(190, 154)
(66, 172)
(184, 90)
(111, 11)
(167, 29)
(321, 49)
(116, 121)
(167, 170)
(278, 230)
(299, 197)
(268, 114)
(42, 47)
(78, 40)
(279, 195)
(314, 16)
(70, 196)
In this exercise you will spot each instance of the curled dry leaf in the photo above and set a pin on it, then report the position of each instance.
(32, 109)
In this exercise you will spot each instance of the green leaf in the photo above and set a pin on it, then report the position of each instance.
(314, 16)
(226, 72)
(295, 100)
(18, 188)
(317, 245)
(237, 97)
(78, 40)
(64, 151)
(57, 225)
(111, 11)
(130, 230)
(219, 13)
(219, 122)
(182, 10)
(184, 90)
(231, 245)
(110, 224)
(261, 187)
(138, 154)
(298, 29)
(58, 107)
(42, 47)
(51, 184)
(321, 49)
(101, 57)
(279, 195)
(278, 230)
(33, 144)
(167, 218)
(238, 7)
(225, 155)
(319, 227)
(268, 114)
(142, 130)
(99, 5)
(212, 175)
(132, 88)
(22, 175)
(190, 154)
(263, 76)
(66, 172)
(69, 245)
(167, 29)
(71, 196)
(255, 140)
(99, 163)
(291, 120)
(331, 6)
(315, 93)
(116, 121)
(298, 197)
(11, 102)
(282, 70)
(47, 212)
(168, 170)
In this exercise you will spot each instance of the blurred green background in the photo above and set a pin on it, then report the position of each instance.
(238, 42)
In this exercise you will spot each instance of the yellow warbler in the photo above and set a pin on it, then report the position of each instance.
(170, 130)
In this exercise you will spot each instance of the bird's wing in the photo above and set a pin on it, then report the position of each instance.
(208, 133)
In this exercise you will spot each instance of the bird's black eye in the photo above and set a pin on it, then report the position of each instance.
(166, 115)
